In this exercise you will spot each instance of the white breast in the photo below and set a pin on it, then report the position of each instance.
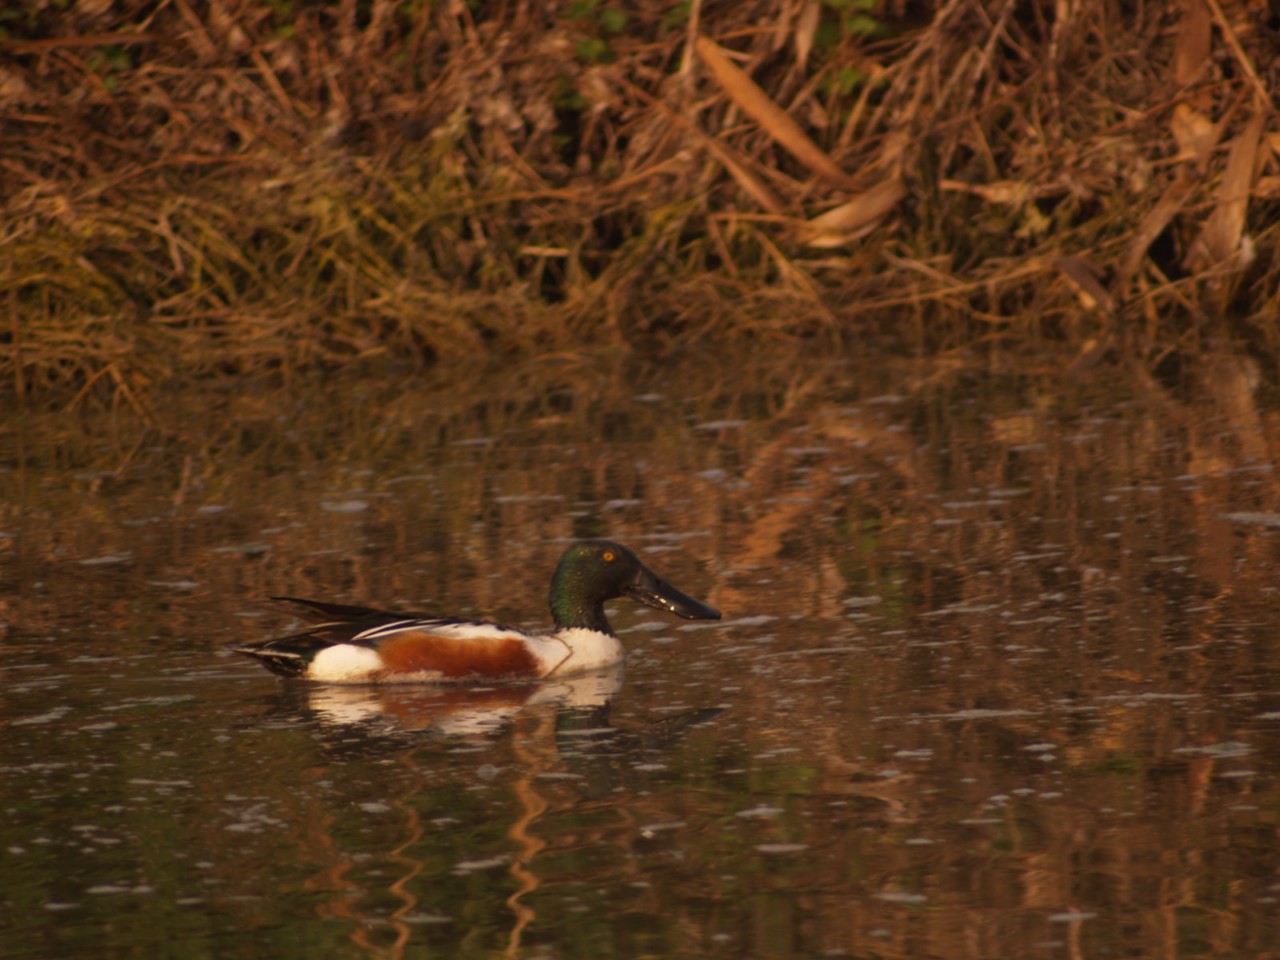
(344, 663)
(574, 651)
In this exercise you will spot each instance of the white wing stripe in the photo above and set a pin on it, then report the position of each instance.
(466, 630)
(387, 629)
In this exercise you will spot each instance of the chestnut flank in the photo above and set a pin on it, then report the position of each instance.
(452, 657)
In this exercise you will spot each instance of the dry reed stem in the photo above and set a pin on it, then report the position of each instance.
(1222, 233)
(245, 188)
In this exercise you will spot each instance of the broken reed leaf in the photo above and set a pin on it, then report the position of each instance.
(776, 122)
(854, 217)
(1191, 51)
(1220, 239)
(806, 31)
(1195, 134)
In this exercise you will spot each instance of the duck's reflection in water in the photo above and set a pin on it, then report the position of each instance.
(406, 713)
(548, 748)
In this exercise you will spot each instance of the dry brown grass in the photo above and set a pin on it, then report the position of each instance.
(239, 187)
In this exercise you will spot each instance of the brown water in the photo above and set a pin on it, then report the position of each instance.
(999, 674)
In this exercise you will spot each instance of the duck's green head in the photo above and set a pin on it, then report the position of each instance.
(593, 571)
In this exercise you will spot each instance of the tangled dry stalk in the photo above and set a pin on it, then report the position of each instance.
(237, 187)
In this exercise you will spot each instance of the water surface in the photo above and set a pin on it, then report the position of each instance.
(998, 676)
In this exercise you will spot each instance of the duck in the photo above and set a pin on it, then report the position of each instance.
(353, 644)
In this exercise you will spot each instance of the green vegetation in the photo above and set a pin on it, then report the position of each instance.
(254, 188)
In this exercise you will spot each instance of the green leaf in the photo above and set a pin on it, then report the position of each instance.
(613, 20)
(593, 50)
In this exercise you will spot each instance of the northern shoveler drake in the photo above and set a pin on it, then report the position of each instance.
(364, 645)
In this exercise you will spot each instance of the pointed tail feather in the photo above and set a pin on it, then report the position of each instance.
(284, 663)
(316, 610)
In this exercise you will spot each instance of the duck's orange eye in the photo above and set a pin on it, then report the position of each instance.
(609, 556)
